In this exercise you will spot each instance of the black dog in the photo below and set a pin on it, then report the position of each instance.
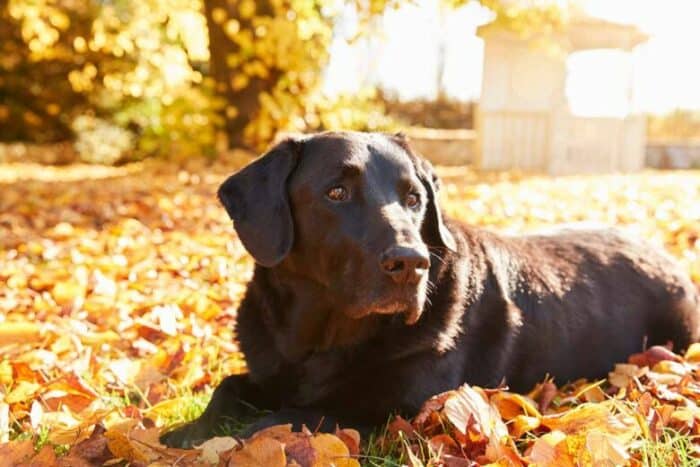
(364, 301)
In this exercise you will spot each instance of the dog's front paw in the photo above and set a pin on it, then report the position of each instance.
(186, 436)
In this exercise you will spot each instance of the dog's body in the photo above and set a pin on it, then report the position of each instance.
(322, 339)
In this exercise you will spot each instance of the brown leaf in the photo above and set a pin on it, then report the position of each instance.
(351, 438)
(121, 446)
(431, 406)
(456, 461)
(547, 391)
(15, 452)
(652, 356)
(445, 444)
(94, 449)
(301, 451)
(400, 425)
(46, 457)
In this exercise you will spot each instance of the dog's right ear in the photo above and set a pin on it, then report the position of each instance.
(256, 200)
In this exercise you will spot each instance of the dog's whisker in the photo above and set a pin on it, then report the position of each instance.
(436, 256)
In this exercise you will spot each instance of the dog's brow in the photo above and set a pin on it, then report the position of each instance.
(351, 170)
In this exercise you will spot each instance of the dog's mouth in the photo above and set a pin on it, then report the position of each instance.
(410, 308)
(411, 311)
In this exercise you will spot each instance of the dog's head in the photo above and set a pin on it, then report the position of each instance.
(356, 213)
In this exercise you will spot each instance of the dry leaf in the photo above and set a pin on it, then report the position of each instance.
(212, 448)
(467, 404)
(351, 438)
(122, 448)
(331, 451)
(259, 452)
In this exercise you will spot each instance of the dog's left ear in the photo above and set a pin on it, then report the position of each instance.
(256, 200)
(434, 228)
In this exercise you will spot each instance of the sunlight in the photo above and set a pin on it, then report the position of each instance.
(404, 59)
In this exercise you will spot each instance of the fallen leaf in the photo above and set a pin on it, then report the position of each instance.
(19, 332)
(605, 448)
(212, 448)
(466, 404)
(351, 438)
(606, 417)
(259, 452)
(331, 451)
(652, 356)
(511, 405)
(16, 452)
(400, 425)
(120, 445)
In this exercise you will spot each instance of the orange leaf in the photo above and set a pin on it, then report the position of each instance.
(19, 332)
(259, 452)
(331, 451)
(511, 405)
(351, 438)
(120, 445)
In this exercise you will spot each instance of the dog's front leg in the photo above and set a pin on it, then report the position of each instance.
(235, 398)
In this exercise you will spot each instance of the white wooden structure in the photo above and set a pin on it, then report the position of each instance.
(524, 121)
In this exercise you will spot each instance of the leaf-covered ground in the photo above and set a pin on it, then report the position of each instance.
(118, 295)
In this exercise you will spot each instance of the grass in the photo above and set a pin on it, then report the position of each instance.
(671, 449)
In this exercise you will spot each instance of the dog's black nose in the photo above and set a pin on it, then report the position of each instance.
(405, 264)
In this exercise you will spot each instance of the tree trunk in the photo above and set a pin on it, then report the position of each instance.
(244, 100)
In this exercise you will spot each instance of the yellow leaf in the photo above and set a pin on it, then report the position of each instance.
(23, 391)
(522, 424)
(606, 417)
(67, 291)
(19, 332)
(5, 372)
(330, 450)
(693, 352)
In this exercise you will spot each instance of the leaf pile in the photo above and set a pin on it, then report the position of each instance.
(276, 446)
(583, 423)
(118, 295)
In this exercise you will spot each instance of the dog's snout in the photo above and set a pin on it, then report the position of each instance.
(405, 264)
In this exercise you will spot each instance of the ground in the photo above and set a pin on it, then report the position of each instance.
(118, 295)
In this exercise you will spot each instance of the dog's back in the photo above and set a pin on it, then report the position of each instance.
(585, 299)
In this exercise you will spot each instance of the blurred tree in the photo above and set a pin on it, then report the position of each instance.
(676, 126)
(164, 94)
(41, 44)
(267, 58)
(152, 67)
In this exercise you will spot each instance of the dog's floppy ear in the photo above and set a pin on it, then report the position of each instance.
(433, 228)
(256, 200)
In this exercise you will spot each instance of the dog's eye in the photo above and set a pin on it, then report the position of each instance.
(413, 200)
(337, 193)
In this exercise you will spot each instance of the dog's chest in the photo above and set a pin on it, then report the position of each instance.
(320, 374)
